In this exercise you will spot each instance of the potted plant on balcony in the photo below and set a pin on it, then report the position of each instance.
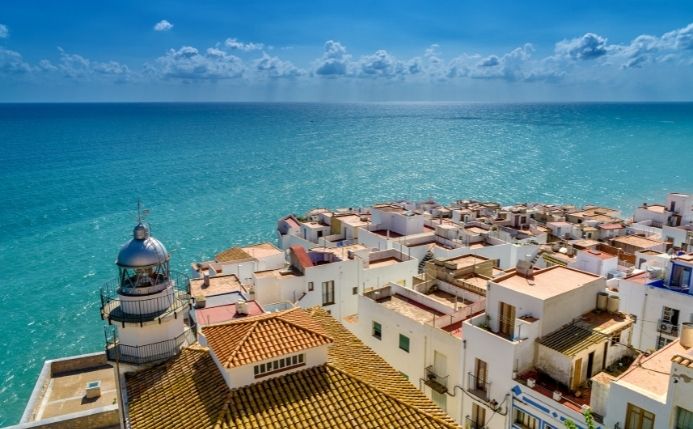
(589, 420)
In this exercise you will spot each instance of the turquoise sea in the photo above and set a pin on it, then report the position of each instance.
(215, 175)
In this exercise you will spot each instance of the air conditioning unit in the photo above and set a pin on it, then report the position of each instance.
(666, 328)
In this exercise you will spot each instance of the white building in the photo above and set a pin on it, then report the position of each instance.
(529, 356)
(656, 392)
(331, 277)
(418, 331)
(595, 262)
(660, 300)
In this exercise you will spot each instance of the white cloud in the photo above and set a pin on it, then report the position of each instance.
(334, 60)
(241, 46)
(588, 47)
(187, 63)
(163, 25)
(4, 31)
(273, 67)
(12, 63)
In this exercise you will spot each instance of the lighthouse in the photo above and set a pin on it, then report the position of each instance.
(147, 305)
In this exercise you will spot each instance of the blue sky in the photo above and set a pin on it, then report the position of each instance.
(459, 50)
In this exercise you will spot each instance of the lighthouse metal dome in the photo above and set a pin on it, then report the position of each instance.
(142, 250)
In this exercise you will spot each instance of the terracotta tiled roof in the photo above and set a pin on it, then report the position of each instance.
(232, 254)
(187, 392)
(355, 389)
(319, 397)
(245, 341)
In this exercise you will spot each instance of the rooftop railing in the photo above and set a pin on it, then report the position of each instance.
(147, 353)
(116, 306)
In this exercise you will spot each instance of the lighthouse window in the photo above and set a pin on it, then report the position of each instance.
(278, 365)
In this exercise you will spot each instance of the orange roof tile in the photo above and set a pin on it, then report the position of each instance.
(355, 389)
(186, 392)
(258, 338)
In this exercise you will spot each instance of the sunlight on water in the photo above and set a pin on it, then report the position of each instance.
(215, 175)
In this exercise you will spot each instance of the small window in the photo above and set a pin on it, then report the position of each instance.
(310, 286)
(294, 360)
(377, 330)
(300, 358)
(354, 290)
(684, 418)
(328, 292)
(525, 420)
(275, 364)
(256, 369)
(404, 343)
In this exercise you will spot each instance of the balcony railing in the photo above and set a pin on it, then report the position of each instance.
(668, 328)
(472, 424)
(148, 353)
(435, 381)
(478, 387)
(122, 307)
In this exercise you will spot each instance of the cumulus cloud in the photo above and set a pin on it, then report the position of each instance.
(588, 47)
(273, 67)
(232, 43)
(4, 31)
(515, 65)
(12, 63)
(334, 60)
(382, 64)
(163, 25)
(75, 66)
(187, 63)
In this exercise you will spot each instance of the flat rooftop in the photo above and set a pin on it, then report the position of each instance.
(548, 282)
(384, 262)
(651, 373)
(637, 241)
(262, 250)
(409, 308)
(217, 285)
(466, 261)
(225, 313)
(65, 391)
(342, 252)
(475, 230)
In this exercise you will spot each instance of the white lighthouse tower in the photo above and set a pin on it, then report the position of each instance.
(146, 306)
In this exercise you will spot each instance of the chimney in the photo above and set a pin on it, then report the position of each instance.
(205, 281)
(686, 339)
(241, 308)
(524, 269)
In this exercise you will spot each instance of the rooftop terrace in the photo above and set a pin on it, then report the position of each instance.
(548, 282)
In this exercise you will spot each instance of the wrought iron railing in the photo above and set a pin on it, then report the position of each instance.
(147, 353)
(123, 307)
(472, 424)
(478, 387)
(437, 382)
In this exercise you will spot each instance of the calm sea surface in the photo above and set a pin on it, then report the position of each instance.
(215, 175)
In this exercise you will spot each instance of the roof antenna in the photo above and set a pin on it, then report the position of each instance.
(141, 211)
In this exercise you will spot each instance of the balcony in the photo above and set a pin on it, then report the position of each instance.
(147, 353)
(548, 387)
(117, 304)
(436, 381)
(478, 387)
(472, 424)
(668, 328)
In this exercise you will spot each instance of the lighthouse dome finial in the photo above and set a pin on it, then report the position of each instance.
(142, 250)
